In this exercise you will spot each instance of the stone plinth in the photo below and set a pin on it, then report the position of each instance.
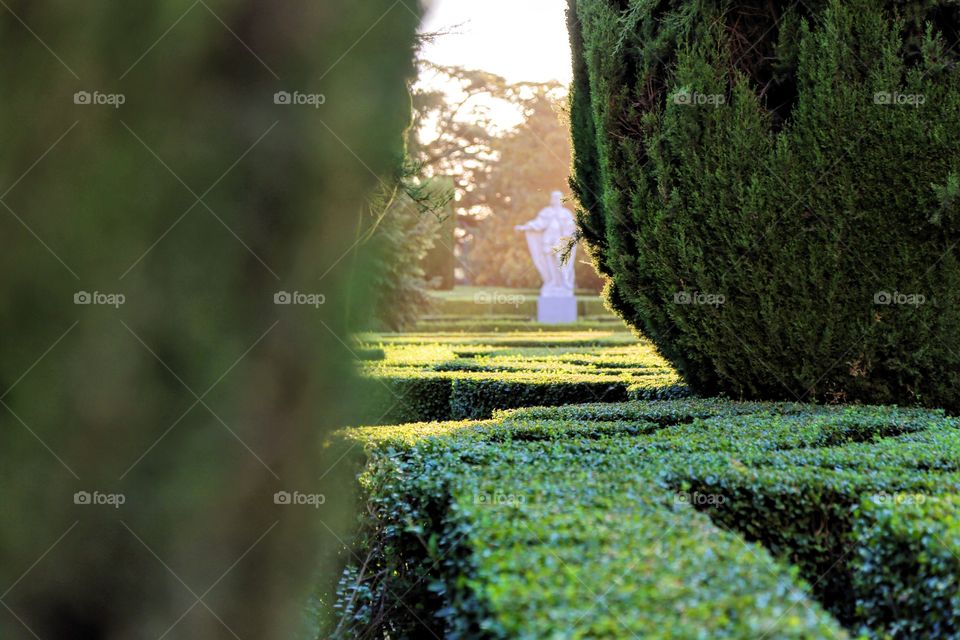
(556, 310)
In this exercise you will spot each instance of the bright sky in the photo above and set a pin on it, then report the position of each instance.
(517, 39)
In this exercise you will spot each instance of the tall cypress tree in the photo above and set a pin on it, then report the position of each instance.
(774, 189)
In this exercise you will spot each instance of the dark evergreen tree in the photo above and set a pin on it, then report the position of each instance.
(773, 189)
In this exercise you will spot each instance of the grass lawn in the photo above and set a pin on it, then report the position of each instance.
(502, 309)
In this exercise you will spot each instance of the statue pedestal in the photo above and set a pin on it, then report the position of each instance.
(555, 310)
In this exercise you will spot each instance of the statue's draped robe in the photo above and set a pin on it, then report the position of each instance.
(546, 236)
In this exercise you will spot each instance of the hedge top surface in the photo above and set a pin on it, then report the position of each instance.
(518, 338)
(425, 377)
(586, 522)
(614, 353)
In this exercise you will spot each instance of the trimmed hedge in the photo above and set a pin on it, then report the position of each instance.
(496, 324)
(794, 168)
(429, 377)
(527, 308)
(496, 301)
(472, 399)
(602, 520)
(906, 570)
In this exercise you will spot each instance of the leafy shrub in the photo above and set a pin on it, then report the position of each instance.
(790, 166)
(440, 263)
(666, 413)
(370, 354)
(657, 387)
(407, 398)
(506, 325)
(472, 398)
(405, 228)
(470, 302)
(905, 576)
(432, 381)
(601, 520)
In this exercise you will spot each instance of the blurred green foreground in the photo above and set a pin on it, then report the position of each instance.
(171, 175)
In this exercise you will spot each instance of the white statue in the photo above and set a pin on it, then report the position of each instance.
(547, 237)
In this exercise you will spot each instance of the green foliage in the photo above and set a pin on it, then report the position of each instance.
(504, 301)
(501, 324)
(453, 134)
(907, 568)
(197, 199)
(370, 354)
(407, 398)
(686, 518)
(426, 377)
(439, 264)
(404, 224)
(799, 164)
(534, 160)
(503, 177)
(478, 398)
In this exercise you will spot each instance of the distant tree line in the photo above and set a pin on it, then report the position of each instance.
(497, 176)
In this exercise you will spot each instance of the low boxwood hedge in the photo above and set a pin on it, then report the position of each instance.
(506, 302)
(478, 398)
(507, 325)
(905, 570)
(694, 518)
(429, 377)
